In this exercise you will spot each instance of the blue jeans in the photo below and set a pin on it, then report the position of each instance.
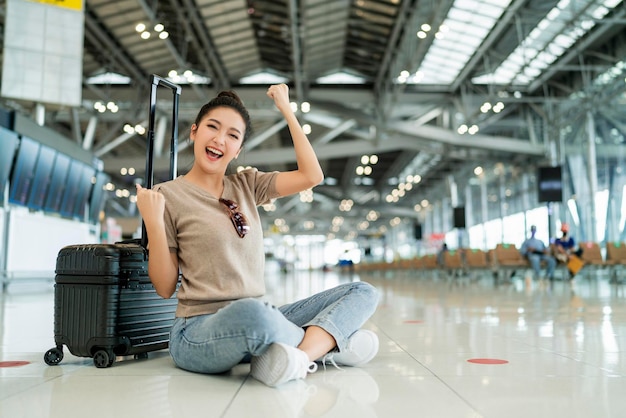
(217, 342)
(535, 262)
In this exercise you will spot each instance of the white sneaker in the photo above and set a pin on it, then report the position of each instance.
(362, 347)
(281, 363)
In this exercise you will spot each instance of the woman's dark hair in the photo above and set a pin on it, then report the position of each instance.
(227, 98)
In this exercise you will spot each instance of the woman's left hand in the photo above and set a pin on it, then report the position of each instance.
(280, 94)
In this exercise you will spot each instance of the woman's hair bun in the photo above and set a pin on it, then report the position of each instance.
(231, 94)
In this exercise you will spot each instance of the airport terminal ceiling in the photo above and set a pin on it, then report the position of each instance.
(430, 88)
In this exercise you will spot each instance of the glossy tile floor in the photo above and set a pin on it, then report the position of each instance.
(562, 349)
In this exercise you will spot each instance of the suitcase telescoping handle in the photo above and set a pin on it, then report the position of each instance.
(155, 81)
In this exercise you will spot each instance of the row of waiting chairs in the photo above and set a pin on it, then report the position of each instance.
(615, 259)
(504, 257)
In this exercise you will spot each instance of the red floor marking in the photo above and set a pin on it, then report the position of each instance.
(413, 321)
(487, 361)
(13, 363)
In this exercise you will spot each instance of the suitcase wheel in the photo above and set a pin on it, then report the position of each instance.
(103, 358)
(53, 356)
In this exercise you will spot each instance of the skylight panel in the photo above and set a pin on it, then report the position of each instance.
(263, 77)
(445, 60)
(541, 26)
(600, 12)
(450, 45)
(566, 15)
(522, 56)
(557, 50)
(466, 40)
(456, 29)
(468, 23)
(522, 79)
(553, 14)
(340, 77)
(564, 41)
(455, 37)
(507, 73)
(441, 64)
(458, 15)
(480, 21)
(536, 65)
(488, 10)
(531, 72)
(109, 78)
(495, 3)
(479, 33)
(545, 58)
(435, 78)
(554, 35)
(449, 67)
(467, 4)
(435, 69)
(511, 67)
(548, 33)
(587, 24)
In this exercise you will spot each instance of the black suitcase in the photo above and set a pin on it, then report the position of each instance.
(104, 303)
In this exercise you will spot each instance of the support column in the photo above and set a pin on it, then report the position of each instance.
(159, 137)
(445, 209)
(551, 206)
(469, 213)
(454, 203)
(40, 114)
(525, 198)
(454, 193)
(592, 173)
(90, 133)
(501, 199)
(619, 198)
(429, 225)
(611, 232)
(484, 208)
(76, 131)
(469, 206)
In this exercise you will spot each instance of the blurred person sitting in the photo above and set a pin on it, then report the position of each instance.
(567, 252)
(536, 251)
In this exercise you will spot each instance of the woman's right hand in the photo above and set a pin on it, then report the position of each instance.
(162, 264)
(151, 204)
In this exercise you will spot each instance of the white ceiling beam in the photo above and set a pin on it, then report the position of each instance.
(334, 132)
(445, 136)
(109, 146)
(265, 135)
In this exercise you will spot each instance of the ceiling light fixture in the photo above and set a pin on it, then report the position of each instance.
(101, 107)
(186, 77)
(143, 31)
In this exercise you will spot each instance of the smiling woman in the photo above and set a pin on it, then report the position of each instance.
(222, 284)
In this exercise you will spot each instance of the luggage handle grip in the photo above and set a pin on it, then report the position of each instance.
(155, 81)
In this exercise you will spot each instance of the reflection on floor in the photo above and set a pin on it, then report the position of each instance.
(450, 347)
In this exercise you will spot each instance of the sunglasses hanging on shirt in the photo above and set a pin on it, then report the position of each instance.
(237, 218)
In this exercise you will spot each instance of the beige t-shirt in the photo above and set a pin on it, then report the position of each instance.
(217, 265)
